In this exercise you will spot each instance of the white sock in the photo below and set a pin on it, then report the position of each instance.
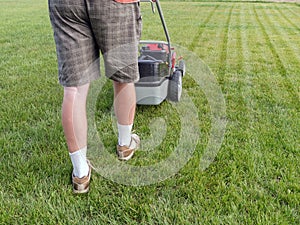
(84, 151)
(124, 134)
(80, 165)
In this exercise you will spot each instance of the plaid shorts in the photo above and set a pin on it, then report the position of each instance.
(83, 28)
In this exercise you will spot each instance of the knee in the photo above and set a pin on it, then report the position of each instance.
(72, 92)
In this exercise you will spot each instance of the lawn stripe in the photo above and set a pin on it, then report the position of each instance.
(241, 56)
(286, 33)
(223, 57)
(287, 99)
(249, 36)
(201, 28)
(247, 19)
(268, 147)
(279, 64)
(286, 18)
(231, 63)
(237, 108)
(288, 45)
(276, 46)
(235, 37)
(291, 9)
(255, 89)
(212, 39)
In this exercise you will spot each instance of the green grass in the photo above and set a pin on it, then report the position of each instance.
(253, 50)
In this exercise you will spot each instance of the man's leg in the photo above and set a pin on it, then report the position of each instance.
(74, 122)
(124, 105)
(124, 102)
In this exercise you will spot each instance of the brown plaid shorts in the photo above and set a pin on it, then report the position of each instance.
(83, 28)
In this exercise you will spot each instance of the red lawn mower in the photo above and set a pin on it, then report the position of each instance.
(160, 74)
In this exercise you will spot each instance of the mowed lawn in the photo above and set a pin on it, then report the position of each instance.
(253, 50)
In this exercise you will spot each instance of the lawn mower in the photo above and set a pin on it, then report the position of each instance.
(160, 74)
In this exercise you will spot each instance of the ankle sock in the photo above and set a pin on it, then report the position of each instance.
(80, 165)
(124, 137)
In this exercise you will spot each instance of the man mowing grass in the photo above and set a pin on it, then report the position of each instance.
(83, 28)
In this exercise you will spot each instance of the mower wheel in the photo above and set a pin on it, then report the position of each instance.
(175, 87)
(181, 67)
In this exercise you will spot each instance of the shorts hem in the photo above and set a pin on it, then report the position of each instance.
(79, 83)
